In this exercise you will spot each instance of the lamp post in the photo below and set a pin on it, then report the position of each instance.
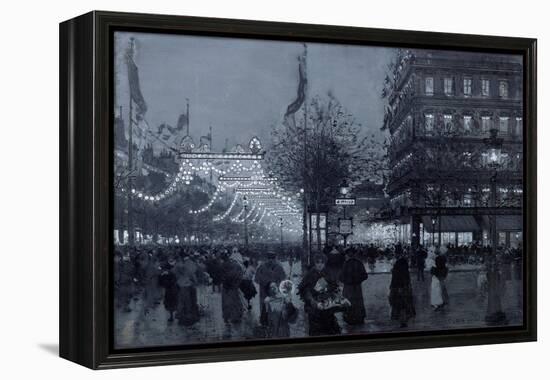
(495, 315)
(281, 225)
(306, 254)
(245, 204)
(433, 232)
(344, 190)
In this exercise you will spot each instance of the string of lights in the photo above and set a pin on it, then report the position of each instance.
(228, 211)
(249, 180)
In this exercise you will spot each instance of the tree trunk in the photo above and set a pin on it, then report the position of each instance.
(305, 246)
(318, 226)
(439, 229)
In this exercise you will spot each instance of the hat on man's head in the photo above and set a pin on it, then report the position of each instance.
(319, 258)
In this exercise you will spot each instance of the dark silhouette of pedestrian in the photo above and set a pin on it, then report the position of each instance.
(352, 276)
(401, 296)
(247, 284)
(421, 256)
(317, 290)
(169, 282)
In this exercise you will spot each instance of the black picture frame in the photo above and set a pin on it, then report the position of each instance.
(86, 147)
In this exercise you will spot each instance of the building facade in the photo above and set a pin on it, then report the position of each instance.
(456, 125)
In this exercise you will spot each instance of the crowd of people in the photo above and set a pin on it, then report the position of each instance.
(471, 253)
(171, 275)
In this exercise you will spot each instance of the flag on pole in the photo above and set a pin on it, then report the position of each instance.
(183, 121)
(133, 80)
(302, 84)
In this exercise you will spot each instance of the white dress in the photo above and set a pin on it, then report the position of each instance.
(436, 296)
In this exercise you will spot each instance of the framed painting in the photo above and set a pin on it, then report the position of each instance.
(237, 189)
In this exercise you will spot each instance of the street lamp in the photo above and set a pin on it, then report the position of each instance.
(433, 232)
(344, 187)
(495, 315)
(344, 190)
(245, 204)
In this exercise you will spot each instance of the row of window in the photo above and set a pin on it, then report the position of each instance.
(468, 124)
(449, 87)
(455, 238)
(505, 196)
(505, 238)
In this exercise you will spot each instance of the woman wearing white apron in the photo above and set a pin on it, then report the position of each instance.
(439, 271)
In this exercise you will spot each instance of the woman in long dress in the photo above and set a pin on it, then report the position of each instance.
(315, 289)
(169, 282)
(439, 271)
(152, 291)
(233, 303)
(188, 307)
(352, 276)
(401, 297)
(247, 284)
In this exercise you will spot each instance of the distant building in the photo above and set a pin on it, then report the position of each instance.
(441, 108)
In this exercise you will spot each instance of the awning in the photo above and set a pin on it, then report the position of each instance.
(452, 223)
(505, 222)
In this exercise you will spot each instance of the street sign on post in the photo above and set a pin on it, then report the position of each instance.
(344, 201)
(345, 226)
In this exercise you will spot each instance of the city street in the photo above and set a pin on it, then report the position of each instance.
(466, 310)
(430, 171)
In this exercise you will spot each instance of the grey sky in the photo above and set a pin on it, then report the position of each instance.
(242, 87)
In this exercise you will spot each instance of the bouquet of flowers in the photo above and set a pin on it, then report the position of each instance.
(337, 303)
(286, 287)
(332, 300)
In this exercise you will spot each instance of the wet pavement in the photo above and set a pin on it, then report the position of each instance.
(466, 309)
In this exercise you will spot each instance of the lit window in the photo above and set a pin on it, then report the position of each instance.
(468, 123)
(485, 87)
(467, 86)
(429, 124)
(503, 89)
(448, 86)
(448, 122)
(485, 123)
(518, 128)
(429, 86)
(503, 125)
(504, 158)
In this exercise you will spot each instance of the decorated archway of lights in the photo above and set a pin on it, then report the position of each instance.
(240, 172)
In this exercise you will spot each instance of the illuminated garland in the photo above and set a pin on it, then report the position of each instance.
(265, 194)
(261, 217)
(237, 217)
(228, 211)
(258, 212)
(209, 204)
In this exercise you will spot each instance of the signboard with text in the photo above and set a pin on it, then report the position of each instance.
(345, 226)
(344, 201)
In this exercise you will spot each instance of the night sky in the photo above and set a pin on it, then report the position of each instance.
(241, 87)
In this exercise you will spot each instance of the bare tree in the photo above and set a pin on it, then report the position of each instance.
(317, 150)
